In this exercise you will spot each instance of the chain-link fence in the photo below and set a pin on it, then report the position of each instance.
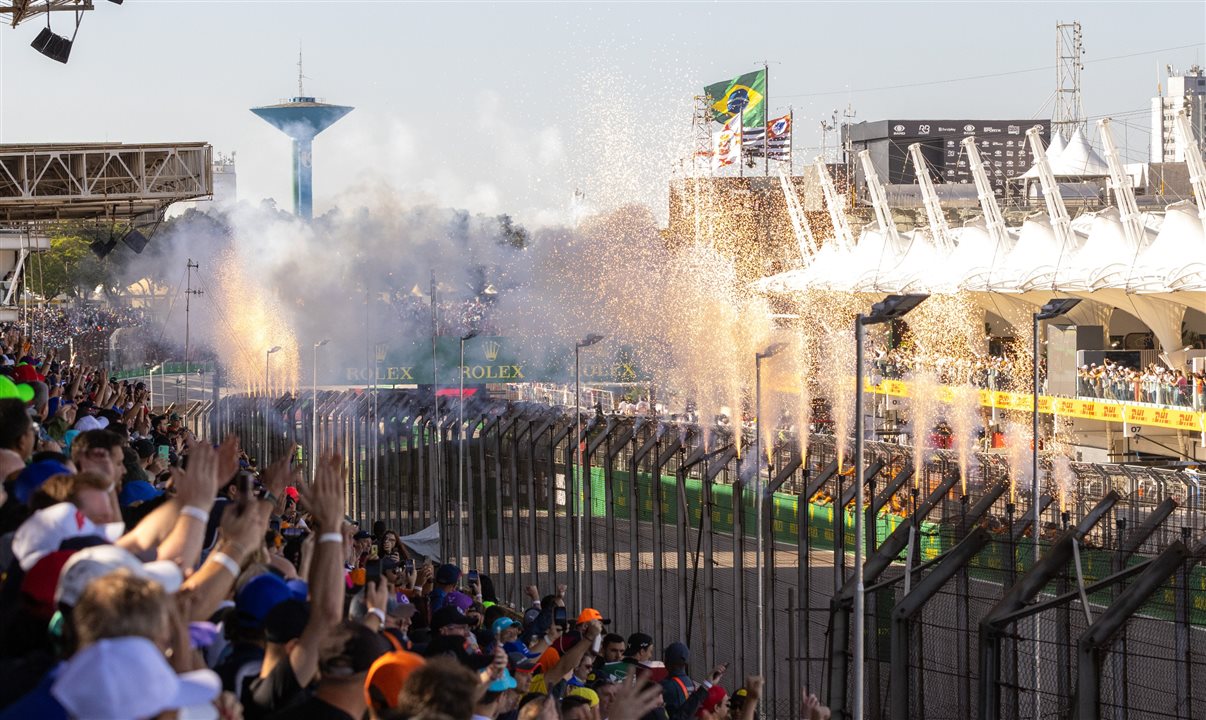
(663, 537)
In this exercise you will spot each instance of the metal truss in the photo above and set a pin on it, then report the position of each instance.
(22, 10)
(102, 180)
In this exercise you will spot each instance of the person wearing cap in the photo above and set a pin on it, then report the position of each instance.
(613, 648)
(445, 582)
(386, 677)
(682, 696)
(291, 654)
(343, 664)
(115, 605)
(640, 648)
(554, 679)
(506, 631)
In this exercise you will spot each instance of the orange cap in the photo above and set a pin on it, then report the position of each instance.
(386, 677)
(591, 614)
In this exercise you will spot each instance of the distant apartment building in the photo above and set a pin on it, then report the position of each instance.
(1182, 92)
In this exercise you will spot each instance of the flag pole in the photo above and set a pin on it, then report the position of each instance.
(765, 120)
(741, 142)
(791, 145)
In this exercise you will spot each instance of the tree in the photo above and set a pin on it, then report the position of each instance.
(70, 267)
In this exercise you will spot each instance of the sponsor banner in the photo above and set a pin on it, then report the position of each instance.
(488, 360)
(1104, 410)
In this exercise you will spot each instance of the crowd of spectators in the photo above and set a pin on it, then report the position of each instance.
(987, 372)
(58, 324)
(1153, 384)
(148, 573)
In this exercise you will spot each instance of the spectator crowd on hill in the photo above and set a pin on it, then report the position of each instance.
(148, 573)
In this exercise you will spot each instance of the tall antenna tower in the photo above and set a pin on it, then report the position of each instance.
(701, 133)
(1069, 111)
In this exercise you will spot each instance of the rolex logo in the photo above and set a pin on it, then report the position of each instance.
(491, 350)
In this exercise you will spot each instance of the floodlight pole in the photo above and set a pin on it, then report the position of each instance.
(460, 459)
(1053, 309)
(859, 530)
(314, 410)
(890, 308)
(759, 499)
(589, 340)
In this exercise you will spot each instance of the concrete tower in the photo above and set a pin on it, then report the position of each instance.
(302, 118)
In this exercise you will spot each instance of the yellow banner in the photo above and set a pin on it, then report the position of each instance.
(1104, 410)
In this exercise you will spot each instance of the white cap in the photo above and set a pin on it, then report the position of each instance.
(91, 422)
(128, 677)
(43, 532)
(90, 563)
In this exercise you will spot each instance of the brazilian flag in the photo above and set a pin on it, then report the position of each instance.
(745, 94)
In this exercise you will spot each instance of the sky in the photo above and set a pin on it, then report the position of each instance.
(511, 107)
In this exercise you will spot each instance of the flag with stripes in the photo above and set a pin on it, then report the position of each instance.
(775, 138)
(726, 144)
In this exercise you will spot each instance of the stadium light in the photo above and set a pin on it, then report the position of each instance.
(587, 341)
(888, 309)
(769, 352)
(460, 459)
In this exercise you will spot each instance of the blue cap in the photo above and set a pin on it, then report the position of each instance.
(676, 654)
(504, 683)
(299, 588)
(259, 596)
(137, 491)
(503, 623)
(32, 477)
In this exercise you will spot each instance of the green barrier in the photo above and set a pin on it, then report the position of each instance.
(784, 518)
(170, 368)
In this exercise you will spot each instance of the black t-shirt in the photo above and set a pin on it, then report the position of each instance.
(312, 709)
(279, 691)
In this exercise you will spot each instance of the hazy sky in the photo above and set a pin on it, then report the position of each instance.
(508, 107)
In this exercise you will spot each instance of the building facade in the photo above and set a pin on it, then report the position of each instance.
(1184, 92)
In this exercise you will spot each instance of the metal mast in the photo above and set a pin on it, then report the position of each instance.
(799, 221)
(879, 200)
(189, 292)
(1069, 112)
(939, 230)
(836, 207)
(1055, 202)
(1193, 161)
(1124, 195)
(988, 199)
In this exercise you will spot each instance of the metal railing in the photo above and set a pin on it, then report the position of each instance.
(661, 537)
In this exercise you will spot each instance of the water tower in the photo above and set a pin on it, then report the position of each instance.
(302, 118)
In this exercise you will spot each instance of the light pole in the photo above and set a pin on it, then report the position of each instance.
(589, 340)
(314, 408)
(460, 458)
(888, 309)
(268, 400)
(761, 490)
(1053, 309)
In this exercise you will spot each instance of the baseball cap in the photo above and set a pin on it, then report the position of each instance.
(459, 600)
(39, 583)
(93, 562)
(590, 614)
(448, 616)
(447, 574)
(638, 642)
(712, 700)
(259, 596)
(128, 677)
(91, 422)
(136, 492)
(677, 653)
(43, 532)
(504, 683)
(363, 535)
(286, 620)
(300, 588)
(353, 650)
(386, 677)
(32, 477)
(402, 608)
(504, 623)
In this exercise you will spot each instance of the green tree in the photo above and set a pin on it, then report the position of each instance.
(70, 267)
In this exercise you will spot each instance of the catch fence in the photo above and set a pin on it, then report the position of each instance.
(663, 537)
